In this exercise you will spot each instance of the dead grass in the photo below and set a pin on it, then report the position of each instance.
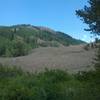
(72, 58)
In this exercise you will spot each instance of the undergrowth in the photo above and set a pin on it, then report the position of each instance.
(49, 85)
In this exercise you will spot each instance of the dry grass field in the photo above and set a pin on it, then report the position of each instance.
(72, 58)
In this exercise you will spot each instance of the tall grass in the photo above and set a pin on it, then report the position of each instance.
(49, 85)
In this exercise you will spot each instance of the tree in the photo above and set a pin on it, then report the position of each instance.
(91, 16)
(19, 47)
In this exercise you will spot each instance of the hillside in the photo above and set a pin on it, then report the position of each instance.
(72, 58)
(18, 40)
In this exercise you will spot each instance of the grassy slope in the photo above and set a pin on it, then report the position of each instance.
(18, 40)
(27, 31)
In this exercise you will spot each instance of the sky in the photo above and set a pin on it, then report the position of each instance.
(56, 14)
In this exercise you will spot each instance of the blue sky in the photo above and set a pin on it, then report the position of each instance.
(56, 14)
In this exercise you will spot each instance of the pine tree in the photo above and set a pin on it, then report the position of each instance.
(91, 16)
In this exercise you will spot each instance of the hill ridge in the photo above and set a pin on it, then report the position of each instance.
(30, 36)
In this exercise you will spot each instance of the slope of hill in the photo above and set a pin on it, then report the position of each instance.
(73, 58)
(18, 40)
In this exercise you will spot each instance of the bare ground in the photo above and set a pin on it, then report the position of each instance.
(72, 58)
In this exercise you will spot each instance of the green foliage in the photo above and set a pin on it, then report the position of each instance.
(20, 48)
(91, 16)
(16, 47)
(18, 40)
(48, 85)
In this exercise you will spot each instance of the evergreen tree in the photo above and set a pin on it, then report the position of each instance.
(91, 16)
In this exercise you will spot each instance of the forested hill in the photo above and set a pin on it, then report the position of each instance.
(18, 40)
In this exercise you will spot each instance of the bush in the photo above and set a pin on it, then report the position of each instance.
(86, 47)
(19, 48)
(48, 85)
(16, 47)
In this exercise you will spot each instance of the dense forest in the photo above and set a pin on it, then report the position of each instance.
(18, 40)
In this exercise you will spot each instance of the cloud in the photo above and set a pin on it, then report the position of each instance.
(84, 38)
(87, 38)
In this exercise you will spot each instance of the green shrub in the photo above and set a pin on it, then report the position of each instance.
(48, 85)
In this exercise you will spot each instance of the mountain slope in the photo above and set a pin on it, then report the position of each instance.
(18, 40)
